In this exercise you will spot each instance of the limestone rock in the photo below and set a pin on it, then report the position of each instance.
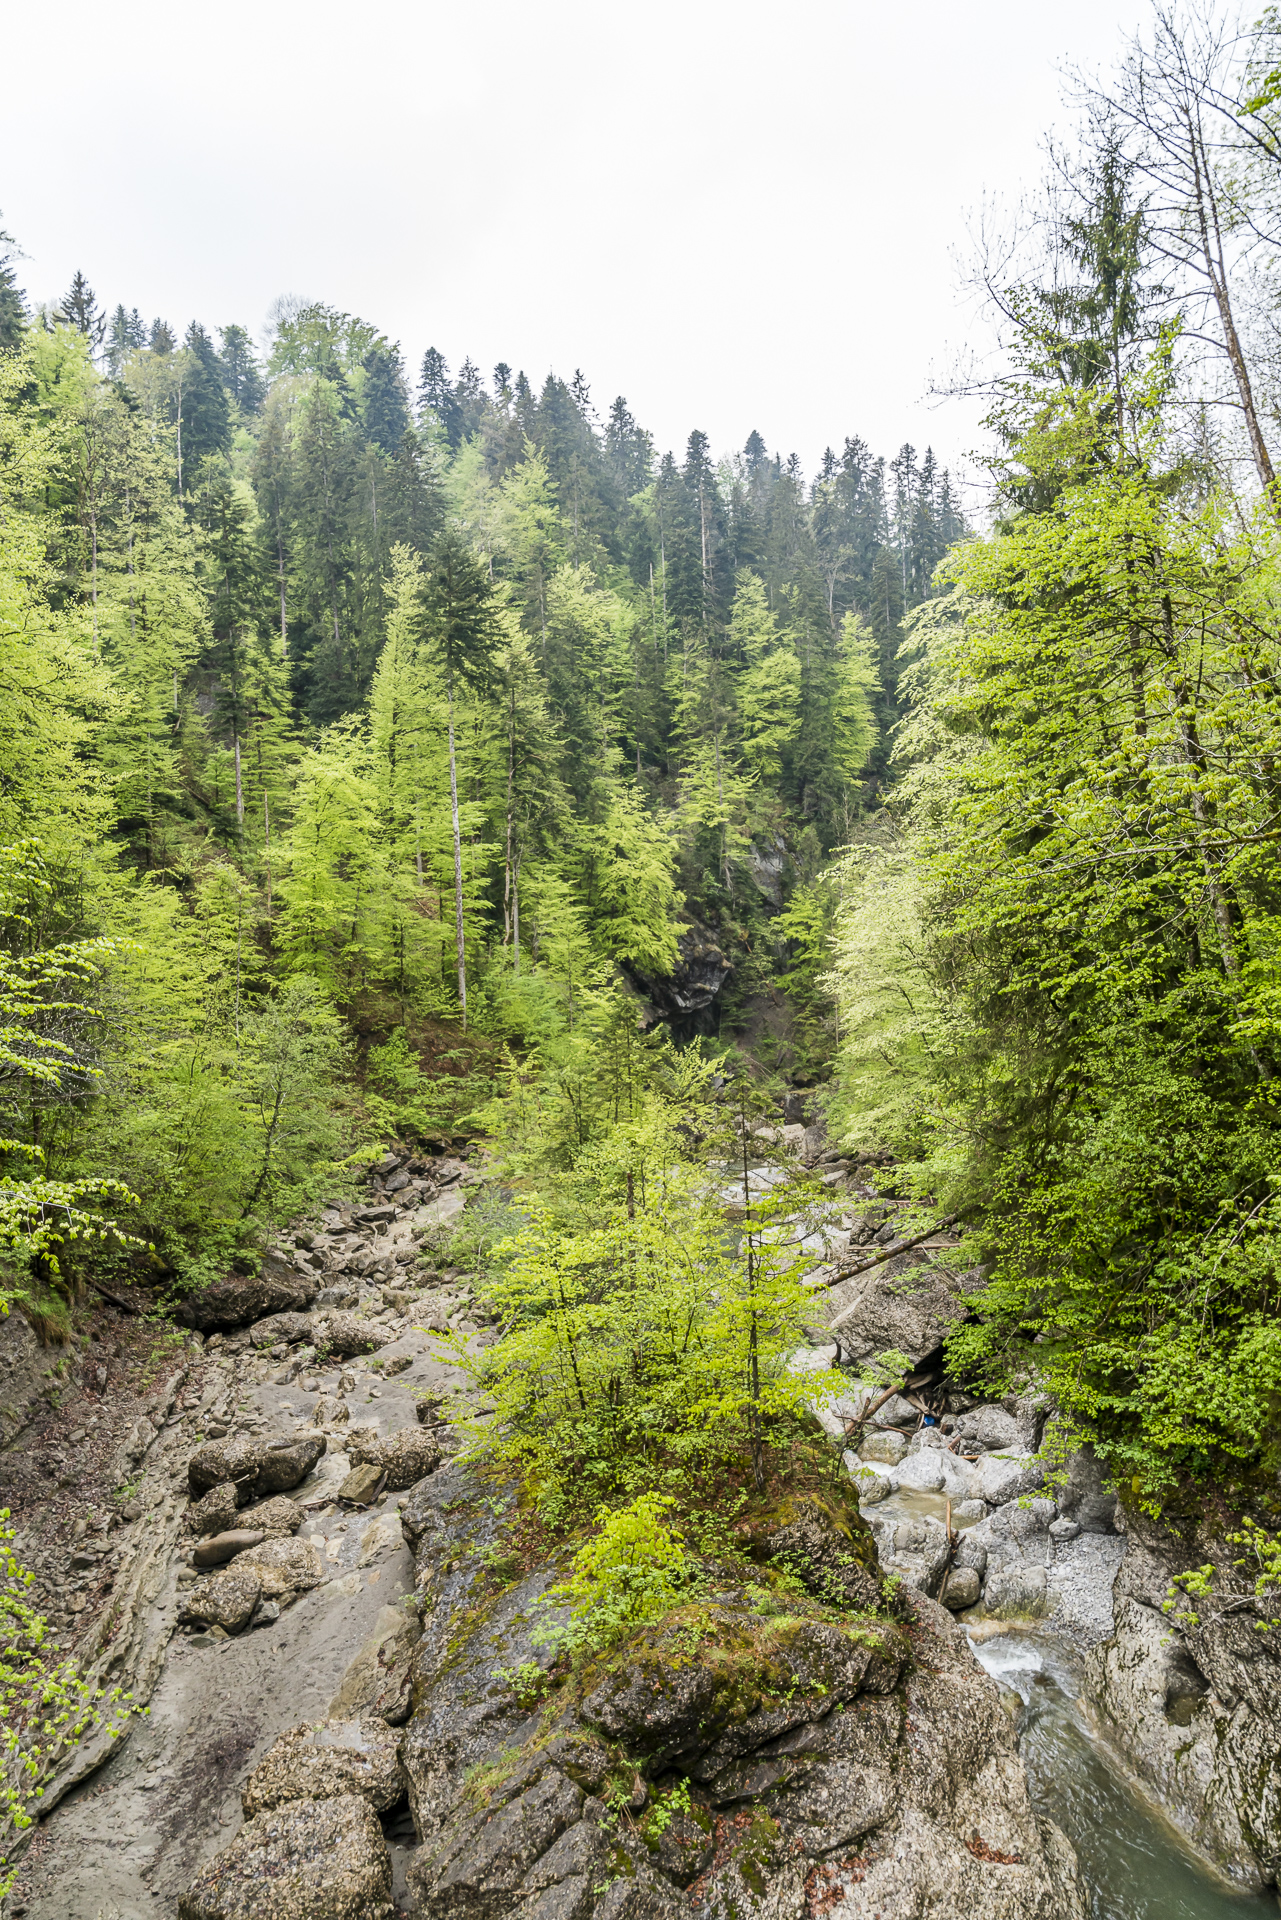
(345, 1334)
(907, 1305)
(1085, 1497)
(961, 1588)
(279, 1514)
(1001, 1477)
(239, 1300)
(320, 1763)
(837, 1568)
(361, 1485)
(290, 1327)
(307, 1860)
(224, 1600)
(989, 1427)
(216, 1511)
(379, 1679)
(888, 1448)
(284, 1567)
(1016, 1593)
(256, 1466)
(406, 1457)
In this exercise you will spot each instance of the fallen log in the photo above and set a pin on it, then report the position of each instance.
(892, 1251)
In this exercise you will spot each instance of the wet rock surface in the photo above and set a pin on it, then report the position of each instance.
(1194, 1704)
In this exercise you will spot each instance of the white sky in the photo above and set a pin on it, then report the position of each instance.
(738, 215)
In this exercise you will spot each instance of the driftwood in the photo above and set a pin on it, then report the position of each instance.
(893, 1250)
(125, 1306)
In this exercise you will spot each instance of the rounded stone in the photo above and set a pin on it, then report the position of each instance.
(225, 1546)
(962, 1588)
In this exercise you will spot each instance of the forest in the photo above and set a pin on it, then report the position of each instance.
(378, 741)
(369, 740)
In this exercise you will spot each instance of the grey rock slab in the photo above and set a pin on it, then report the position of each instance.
(215, 1712)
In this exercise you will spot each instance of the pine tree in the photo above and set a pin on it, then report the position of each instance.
(13, 307)
(162, 338)
(241, 374)
(79, 308)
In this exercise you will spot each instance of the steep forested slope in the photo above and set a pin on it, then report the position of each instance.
(360, 743)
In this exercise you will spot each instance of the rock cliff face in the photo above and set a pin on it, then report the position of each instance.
(685, 998)
(1197, 1712)
(737, 1762)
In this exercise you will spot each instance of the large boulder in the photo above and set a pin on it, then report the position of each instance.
(306, 1860)
(241, 1299)
(319, 1763)
(379, 1679)
(989, 1427)
(225, 1600)
(999, 1477)
(908, 1305)
(284, 1567)
(404, 1458)
(346, 1334)
(829, 1763)
(279, 1514)
(255, 1465)
(1086, 1496)
(289, 1327)
(216, 1511)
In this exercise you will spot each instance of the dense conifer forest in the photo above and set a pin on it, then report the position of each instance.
(368, 737)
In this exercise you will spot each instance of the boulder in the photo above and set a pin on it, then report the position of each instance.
(289, 1327)
(361, 1485)
(346, 1334)
(279, 1514)
(961, 1588)
(870, 1487)
(915, 1549)
(222, 1462)
(405, 1457)
(907, 1305)
(241, 1299)
(886, 1447)
(284, 1567)
(224, 1600)
(379, 1680)
(255, 1465)
(999, 1477)
(836, 1567)
(1016, 1593)
(1085, 1497)
(288, 1461)
(989, 1428)
(320, 1763)
(922, 1472)
(306, 1860)
(225, 1546)
(216, 1511)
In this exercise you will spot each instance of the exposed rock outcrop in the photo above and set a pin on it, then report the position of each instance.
(837, 1758)
(1195, 1705)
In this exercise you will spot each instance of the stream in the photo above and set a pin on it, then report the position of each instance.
(1135, 1865)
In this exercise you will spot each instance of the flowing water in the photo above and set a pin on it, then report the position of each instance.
(1134, 1863)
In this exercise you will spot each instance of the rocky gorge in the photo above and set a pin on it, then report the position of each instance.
(257, 1528)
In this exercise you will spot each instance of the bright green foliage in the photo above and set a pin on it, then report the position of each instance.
(631, 1571)
(643, 1337)
(45, 1707)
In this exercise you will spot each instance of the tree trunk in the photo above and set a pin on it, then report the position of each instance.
(458, 865)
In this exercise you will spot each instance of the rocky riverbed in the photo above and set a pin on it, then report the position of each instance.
(255, 1527)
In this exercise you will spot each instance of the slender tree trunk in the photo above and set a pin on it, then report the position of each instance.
(753, 1352)
(266, 848)
(458, 864)
(240, 795)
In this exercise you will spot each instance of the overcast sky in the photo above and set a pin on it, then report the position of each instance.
(737, 215)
